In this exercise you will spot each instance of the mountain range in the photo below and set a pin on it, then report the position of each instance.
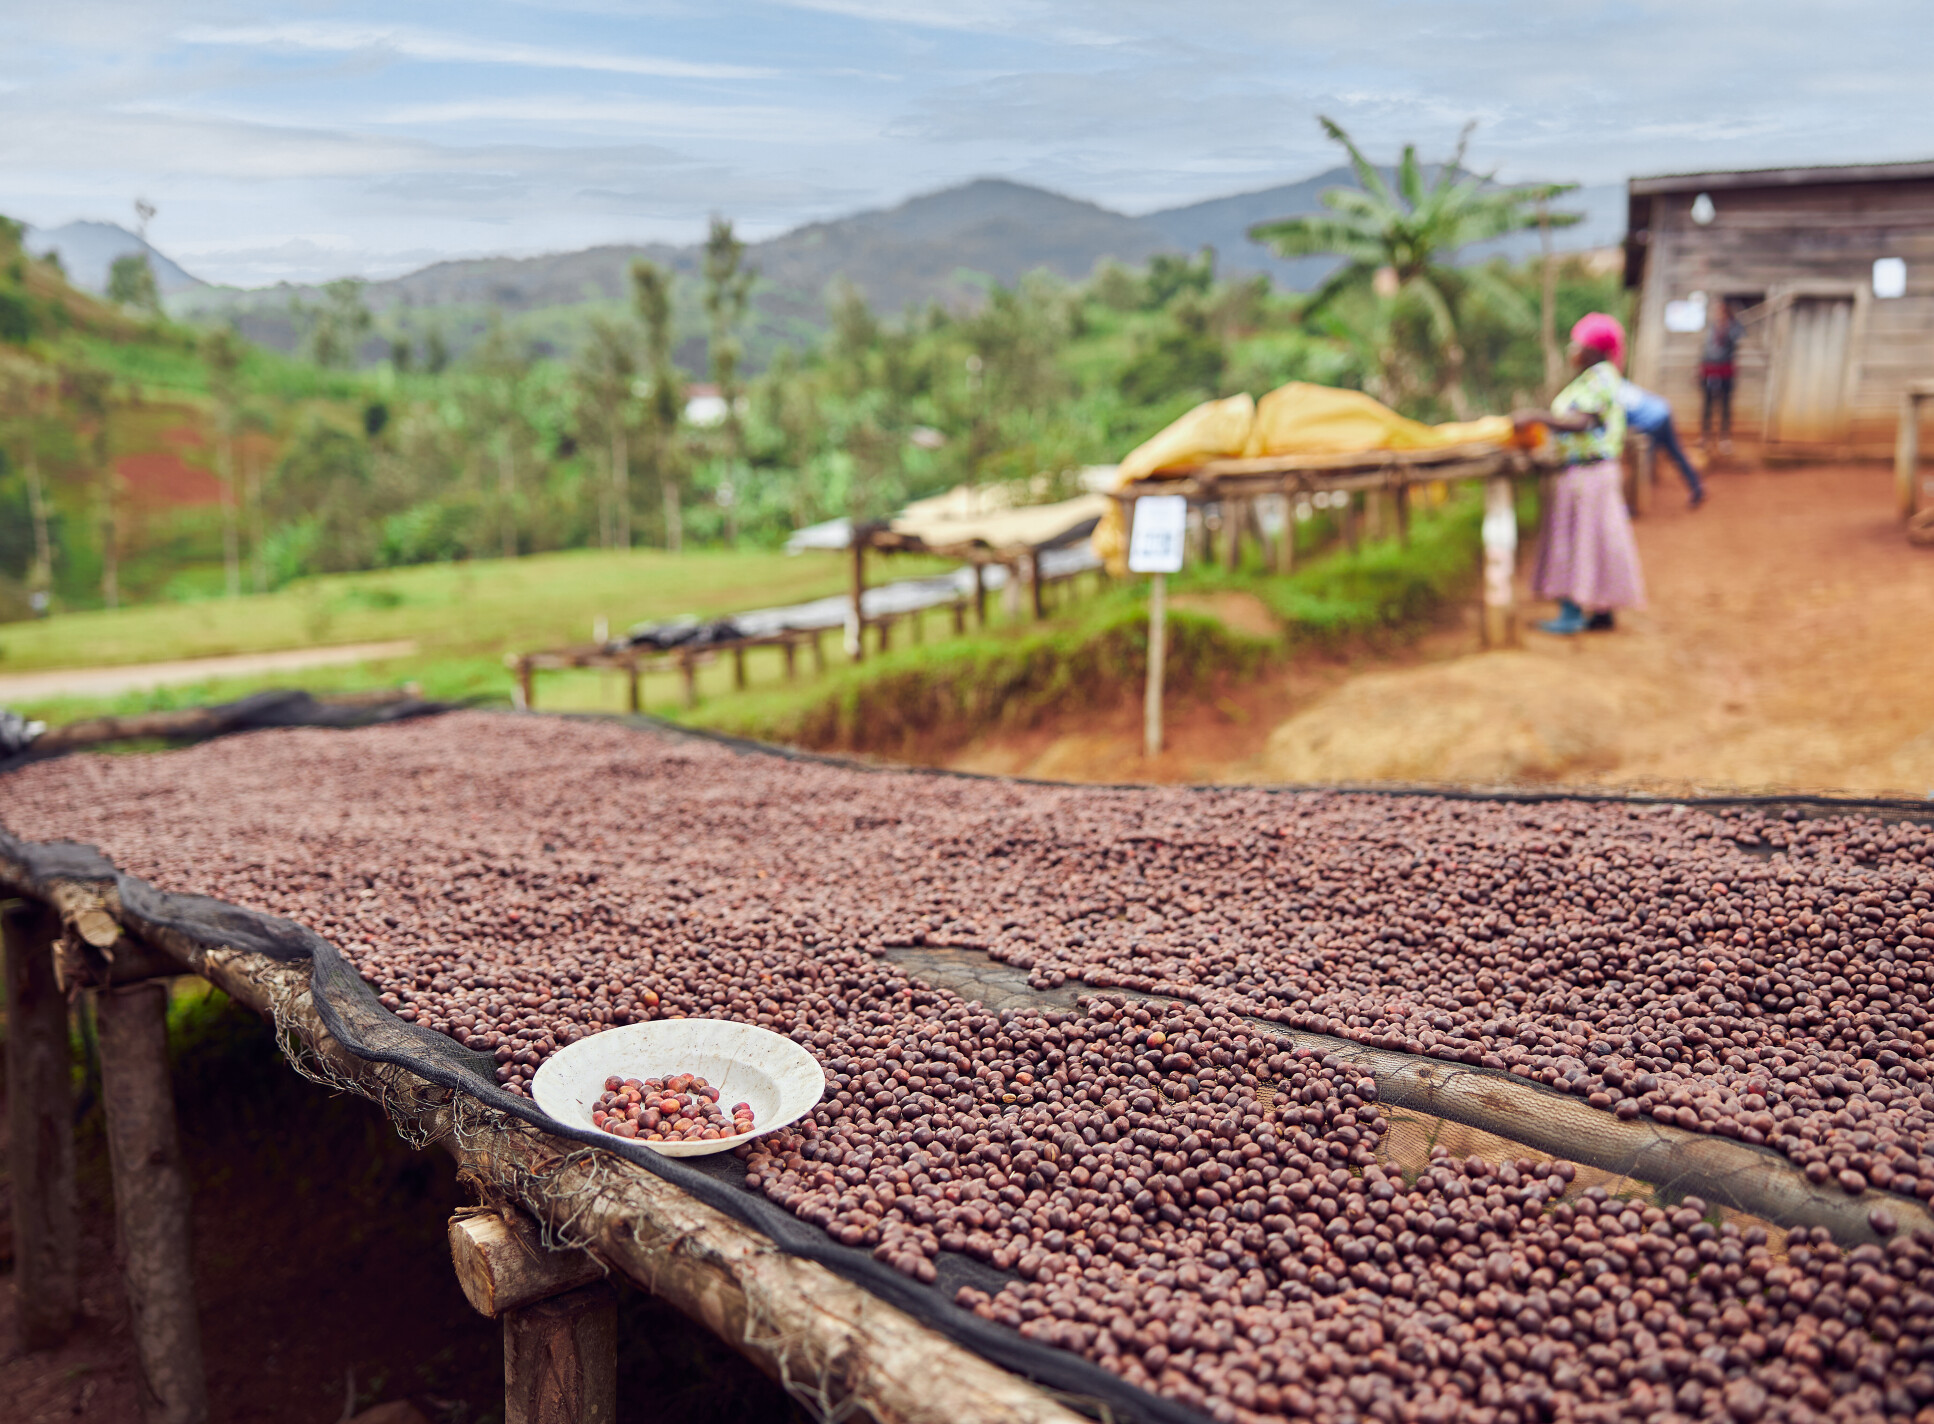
(946, 247)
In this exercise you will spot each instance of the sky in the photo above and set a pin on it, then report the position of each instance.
(308, 141)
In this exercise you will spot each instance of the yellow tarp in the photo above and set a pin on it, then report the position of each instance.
(1296, 419)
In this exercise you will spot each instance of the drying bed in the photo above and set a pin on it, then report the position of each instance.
(1173, 1192)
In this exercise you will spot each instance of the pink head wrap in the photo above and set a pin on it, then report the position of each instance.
(1601, 333)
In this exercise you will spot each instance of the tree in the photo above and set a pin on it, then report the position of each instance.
(88, 390)
(320, 495)
(651, 298)
(606, 369)
(130, 282)
(222, 351)
(728, 288)
(27, 393)
(496, 405)
(337, 324)
(1399, 242)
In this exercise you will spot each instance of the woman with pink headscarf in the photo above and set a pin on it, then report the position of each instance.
(1588, 560)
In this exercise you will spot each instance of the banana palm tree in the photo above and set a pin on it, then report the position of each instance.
(1397, 241)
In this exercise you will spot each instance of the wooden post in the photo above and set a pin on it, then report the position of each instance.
(858, 541)
(886, 632)
(819, 651)
(1500, 563)
(688, 665)
(636, 699)
(561, 1359)
(1907, 453)
(960, 610)
(1034, 579)
(1233, 513)
(980, 593)
(738, 666)
(1157, 657)
(1352, 522)
(791, 645)
(916, 618)
(151, 1209)
(527, 682)
(40, 1125)
(1403, 513)
(1288, 562)
(560, 1322)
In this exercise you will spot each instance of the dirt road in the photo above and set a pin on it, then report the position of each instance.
(107, 681)
(1789, 644)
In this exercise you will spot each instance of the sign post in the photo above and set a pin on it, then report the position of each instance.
(1155, 547)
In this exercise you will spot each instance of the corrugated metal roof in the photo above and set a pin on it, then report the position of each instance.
(1782, 177)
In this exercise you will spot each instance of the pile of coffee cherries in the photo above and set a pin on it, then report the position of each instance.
(682, 1107)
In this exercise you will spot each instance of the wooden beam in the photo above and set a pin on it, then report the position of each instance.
(151, 1208)
(40, 1125)
(561, 1360)
(503, 1265)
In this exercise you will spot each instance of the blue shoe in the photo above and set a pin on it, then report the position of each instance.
(1570, 620)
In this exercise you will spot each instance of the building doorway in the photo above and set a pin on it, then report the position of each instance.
(1815, 333)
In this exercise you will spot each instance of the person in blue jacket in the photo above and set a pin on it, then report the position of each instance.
(1651, 415)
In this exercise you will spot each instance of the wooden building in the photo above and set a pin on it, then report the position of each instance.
(1832, 273)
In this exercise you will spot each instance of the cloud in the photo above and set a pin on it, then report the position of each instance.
(768, 123)
(436, 48)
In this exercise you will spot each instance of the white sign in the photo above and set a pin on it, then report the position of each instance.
(1161, 529)
(1688, 315)
(1890, 277)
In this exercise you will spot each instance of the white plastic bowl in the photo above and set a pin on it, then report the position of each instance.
(781, 1080)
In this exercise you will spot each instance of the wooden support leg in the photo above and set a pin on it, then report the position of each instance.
(1034, 582)
(886, 633)
(40, 1125)
(635, 700)
(1157, 657)
(1234, 511)
(527, 682)
(151, 1202)
(1352, 523)
(561, 1359)
(819, 651)
(1403, 515)
(738, 667)
(1907, 454)
(689, 667)
(791, 646)
(960, 616)
(1500, 564)
(980, 595)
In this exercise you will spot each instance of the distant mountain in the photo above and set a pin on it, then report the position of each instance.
(88, 249)
(946, 247)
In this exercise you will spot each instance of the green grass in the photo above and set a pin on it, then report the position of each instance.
(484, 606)
(917, 699)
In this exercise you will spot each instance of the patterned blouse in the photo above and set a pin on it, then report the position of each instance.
(1593, 392)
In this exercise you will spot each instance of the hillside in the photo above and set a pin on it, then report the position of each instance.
(944, 247)
(87, 251)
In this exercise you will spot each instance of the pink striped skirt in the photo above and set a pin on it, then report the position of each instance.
(1588, 554)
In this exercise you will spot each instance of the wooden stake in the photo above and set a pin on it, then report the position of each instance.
(40, 1118)
(527, 683)
(980, 593)
(738, 666)
(858, 541)
(635, 700)
(1500, 563)
(1157, 657)
(151, 1211)
(561, 1360)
